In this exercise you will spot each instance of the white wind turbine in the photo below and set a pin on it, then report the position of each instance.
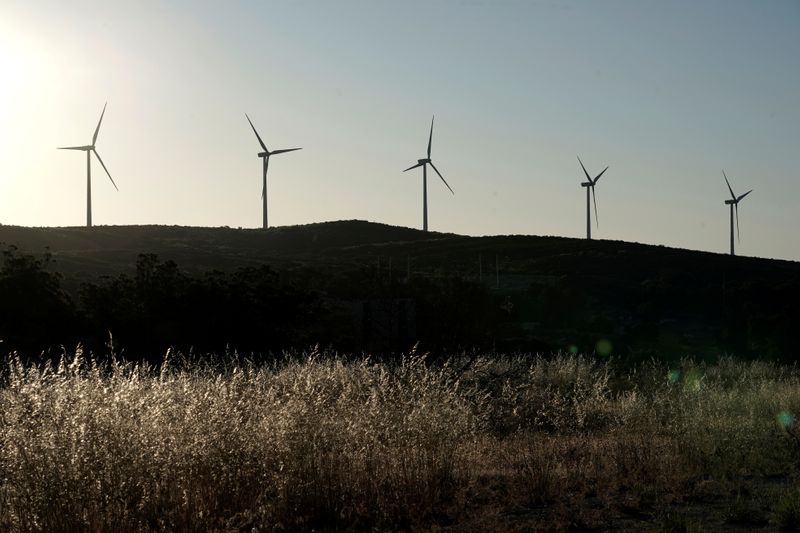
(589, 184)
(265, 159)
(734, 203)
(424, 164)
(90, 149)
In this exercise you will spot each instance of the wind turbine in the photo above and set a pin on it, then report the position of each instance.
(424, 164)
(734, 203)
(589, 184)
(89, 149)
(265, 158)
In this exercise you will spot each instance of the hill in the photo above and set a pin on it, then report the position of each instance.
(543, 292)
(104, 250)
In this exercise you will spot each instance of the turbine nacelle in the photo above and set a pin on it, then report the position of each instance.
(587, 184)
(729, 202)
(263, 154)
(423, 161)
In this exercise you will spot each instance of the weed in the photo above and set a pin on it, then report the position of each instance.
(745, 511)
(323, 442)
(787, 512)
(675, 522)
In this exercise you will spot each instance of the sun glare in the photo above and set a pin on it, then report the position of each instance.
(15, 76)
(8, 72)
(20, 89)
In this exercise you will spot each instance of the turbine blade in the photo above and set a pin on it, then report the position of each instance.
(729, 185)
(104, 168)
(430, 138)
(284, 151)
(264, 146)
(440, 175)
(738, 235)
(97, 130)
(594, 199)
(72, 148)
(584, 169)
(415, 166)
(598, 176)
(742, 196)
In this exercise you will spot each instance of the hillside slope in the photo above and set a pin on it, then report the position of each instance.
(110, 249)
(552, 292)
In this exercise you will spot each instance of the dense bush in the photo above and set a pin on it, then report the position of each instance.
(251, 310)
(35, 312)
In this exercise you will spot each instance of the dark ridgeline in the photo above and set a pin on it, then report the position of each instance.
(265, 165)
(424, 164)
(364, 287)
(90, 149)
(589, 185)
(734, 203)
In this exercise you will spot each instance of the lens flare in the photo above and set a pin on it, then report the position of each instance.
(785, 419)
(603, 347)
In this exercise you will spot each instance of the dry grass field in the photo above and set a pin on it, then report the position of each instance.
(322, 442)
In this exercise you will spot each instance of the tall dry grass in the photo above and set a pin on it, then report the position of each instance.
(319, 442)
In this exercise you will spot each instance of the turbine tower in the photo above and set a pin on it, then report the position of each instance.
(589, 184)
(90, 149)
(424, 164)
(265, 159)
(734, 203)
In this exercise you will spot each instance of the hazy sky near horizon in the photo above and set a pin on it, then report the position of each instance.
(666, 93)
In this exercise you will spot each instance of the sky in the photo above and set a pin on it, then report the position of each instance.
(668, 94)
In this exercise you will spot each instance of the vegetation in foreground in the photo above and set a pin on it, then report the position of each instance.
(320, 442)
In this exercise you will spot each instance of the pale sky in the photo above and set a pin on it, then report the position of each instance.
(666, 93)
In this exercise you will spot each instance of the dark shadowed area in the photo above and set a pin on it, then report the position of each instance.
(364, 287)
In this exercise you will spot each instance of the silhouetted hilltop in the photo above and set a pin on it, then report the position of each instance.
(539, 292)
(84, 251)
(110, 249)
